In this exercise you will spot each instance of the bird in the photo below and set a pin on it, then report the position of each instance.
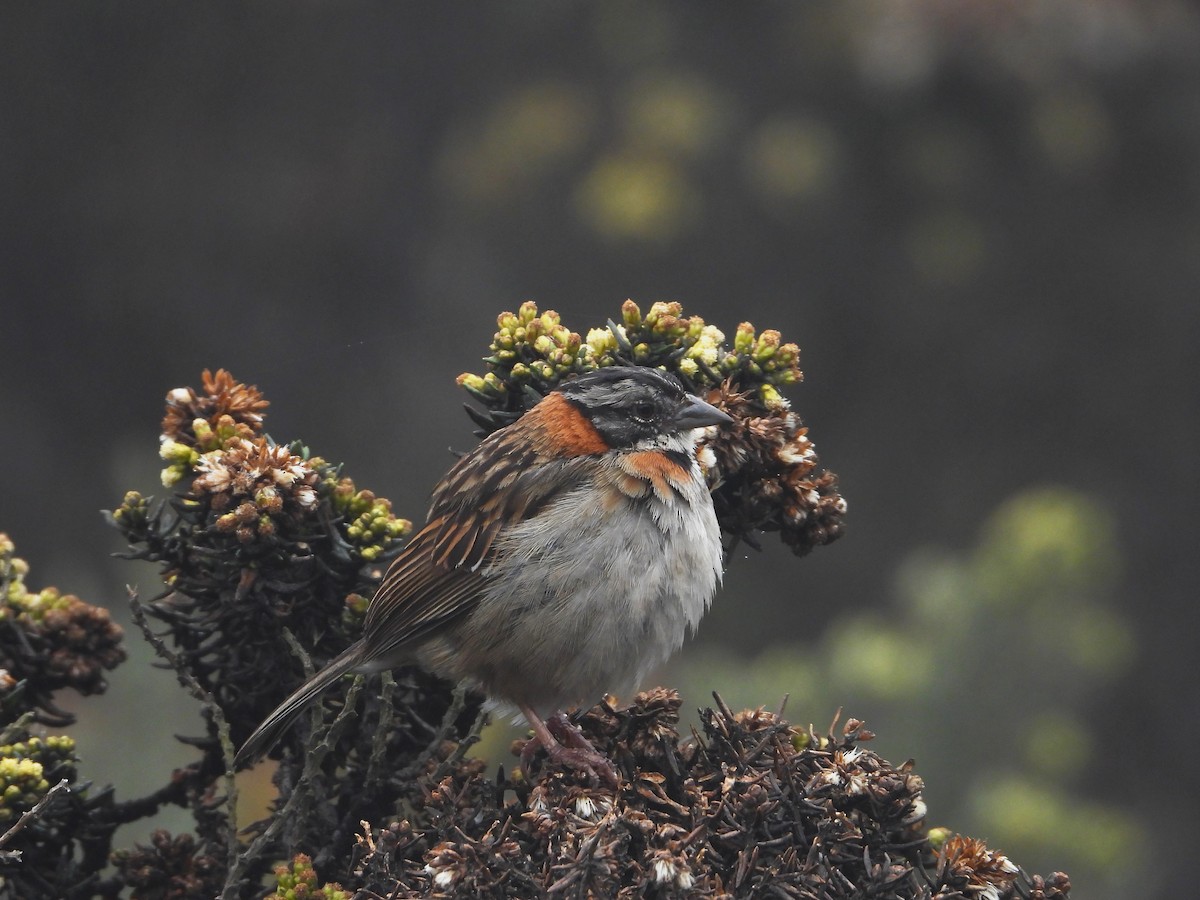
(563, 558)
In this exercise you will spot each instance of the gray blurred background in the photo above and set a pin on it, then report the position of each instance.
(980, 221)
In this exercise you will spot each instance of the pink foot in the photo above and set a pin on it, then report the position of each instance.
(566, 746)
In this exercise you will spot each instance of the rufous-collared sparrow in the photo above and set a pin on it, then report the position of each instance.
(565, 556)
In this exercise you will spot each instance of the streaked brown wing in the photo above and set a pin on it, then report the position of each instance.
(437, 578)
(506, 479)
(480, 495)
(417, 597)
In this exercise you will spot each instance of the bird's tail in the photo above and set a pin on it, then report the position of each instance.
(289, 710)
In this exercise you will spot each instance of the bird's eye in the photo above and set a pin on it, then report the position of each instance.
(643, 412)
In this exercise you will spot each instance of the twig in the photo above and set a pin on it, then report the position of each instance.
(301, 654)
(31, 815)
(379, 740)
(301, 793)
(458, 703)
(470, 739)
(218, 718)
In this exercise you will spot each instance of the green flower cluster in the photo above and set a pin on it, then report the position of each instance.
(697, 351)
(27, 769)
(55, 753)
(132, 517)
(34, 606)
(22, 785)
(532, 353)
(180, 459)
(369, 524)
(299, 882)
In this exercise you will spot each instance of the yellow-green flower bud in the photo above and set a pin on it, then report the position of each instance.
(631, 315)
(171, 475)
(768, 343)
(938, 836)
(471, 382)
(175, 452)
(770, 396)
(602, 341)
(743, 341)
(704, 351)
(663, 309)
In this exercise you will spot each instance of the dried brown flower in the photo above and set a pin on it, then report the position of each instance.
(228, 407)
(965, 866)
(764, 473)
(257, 482)
(52, 640)
(170, 868)
(1056, 887)
(754, 807)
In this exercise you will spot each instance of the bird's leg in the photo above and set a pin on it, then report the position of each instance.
(567, 734)
(566, 746)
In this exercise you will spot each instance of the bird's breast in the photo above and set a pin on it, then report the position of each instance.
(593, 592)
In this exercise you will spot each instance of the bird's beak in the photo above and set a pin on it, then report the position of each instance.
(695, 413)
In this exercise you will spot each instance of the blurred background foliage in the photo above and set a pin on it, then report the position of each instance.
(979, 221)
(982, 668)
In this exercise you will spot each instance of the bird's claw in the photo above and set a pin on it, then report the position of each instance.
(571, 750)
